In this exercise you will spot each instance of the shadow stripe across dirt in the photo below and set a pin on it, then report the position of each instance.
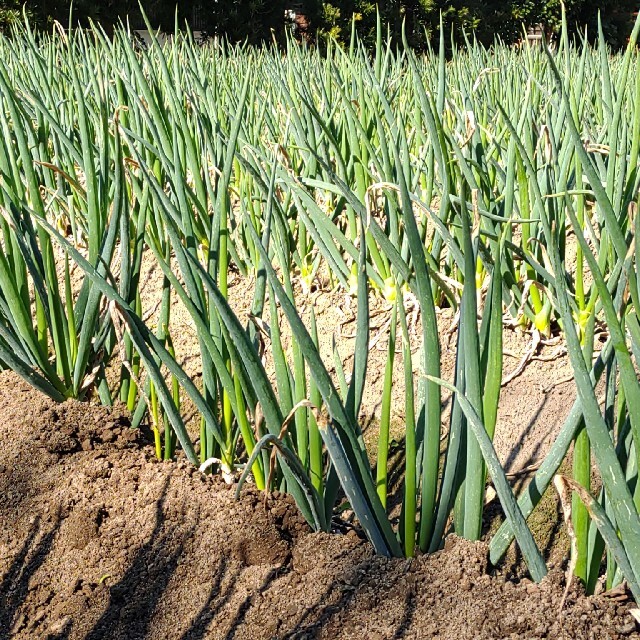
(98, 540)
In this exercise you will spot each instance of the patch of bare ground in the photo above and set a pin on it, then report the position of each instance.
(98, 540)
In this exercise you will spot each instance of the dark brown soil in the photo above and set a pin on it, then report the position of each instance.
(98, 540)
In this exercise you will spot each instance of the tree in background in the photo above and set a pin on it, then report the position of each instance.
(258, 21)
(10, 13)
(485, 20)
(252, 20)
(42, 13)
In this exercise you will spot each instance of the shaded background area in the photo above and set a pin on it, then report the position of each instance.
(258, 21)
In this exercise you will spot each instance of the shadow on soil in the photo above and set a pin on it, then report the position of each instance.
(321, 614)
(535, 453)
(14, 587)
(133, 600)
(217, 600)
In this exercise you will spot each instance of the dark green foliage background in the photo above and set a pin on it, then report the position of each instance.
(261, 20)
(503, 18)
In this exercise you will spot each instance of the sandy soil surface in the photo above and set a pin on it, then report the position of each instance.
(533, 404)
(98, 540)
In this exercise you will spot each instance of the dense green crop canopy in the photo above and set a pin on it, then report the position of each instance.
(501, 184)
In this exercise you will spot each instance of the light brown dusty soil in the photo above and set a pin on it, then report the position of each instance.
(97, 540)
(533, 405)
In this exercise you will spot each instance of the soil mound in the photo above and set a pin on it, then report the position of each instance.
(98, 540)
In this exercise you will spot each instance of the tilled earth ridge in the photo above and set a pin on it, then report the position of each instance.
(98, 540)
